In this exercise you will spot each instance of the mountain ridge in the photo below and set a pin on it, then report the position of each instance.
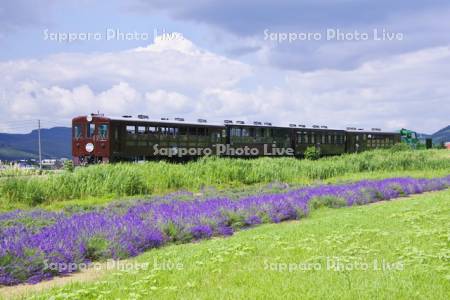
(55, 142)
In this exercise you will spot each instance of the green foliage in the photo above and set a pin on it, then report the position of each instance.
(327, 201)
(30, 192)
(6, 260)
(28, 222)
(68, 166)
(400, 147)
(97, 248)
(128, 179)
(312, 153)
(235, 220)
(175, 234)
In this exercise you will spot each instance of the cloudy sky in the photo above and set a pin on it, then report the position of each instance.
(339, 63)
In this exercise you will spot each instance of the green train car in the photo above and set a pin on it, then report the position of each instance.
(97, 138)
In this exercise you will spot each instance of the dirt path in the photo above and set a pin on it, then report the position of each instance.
(24, 290)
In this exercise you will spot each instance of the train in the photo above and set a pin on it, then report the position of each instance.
(97, 138)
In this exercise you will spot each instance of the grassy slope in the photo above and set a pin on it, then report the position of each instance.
(413, 231)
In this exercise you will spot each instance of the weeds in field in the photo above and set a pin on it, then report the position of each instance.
(126, 179)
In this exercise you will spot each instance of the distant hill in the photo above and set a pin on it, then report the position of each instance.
(423, 136)
(442, 136)
(55, 144)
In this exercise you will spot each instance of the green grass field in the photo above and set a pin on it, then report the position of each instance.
(102, 183)
(389, 250)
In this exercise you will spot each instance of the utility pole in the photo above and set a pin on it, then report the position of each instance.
(39, 139)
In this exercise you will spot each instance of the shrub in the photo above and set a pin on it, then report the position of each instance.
(68, 166)
(312, 153)
(97, 248)
(327, 201)
(201, 231)
(233, 219)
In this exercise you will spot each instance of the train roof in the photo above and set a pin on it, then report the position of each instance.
(373, 130)
(169, 121)
(198, 122)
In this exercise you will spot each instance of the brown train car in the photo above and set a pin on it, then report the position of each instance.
(96, 138)
(91, 139)
(100, 139)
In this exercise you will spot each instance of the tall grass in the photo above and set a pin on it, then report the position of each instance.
(127, 179)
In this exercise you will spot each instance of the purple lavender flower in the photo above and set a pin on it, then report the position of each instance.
(32, 240)
(201, 231)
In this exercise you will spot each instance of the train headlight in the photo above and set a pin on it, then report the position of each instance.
(89, 147)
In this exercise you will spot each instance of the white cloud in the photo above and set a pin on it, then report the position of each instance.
(161, 102)
(177, 78)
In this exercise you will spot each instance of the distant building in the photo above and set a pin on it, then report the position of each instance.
(447, 145)
(49, 162)
(24, 165)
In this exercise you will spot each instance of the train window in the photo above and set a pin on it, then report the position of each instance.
(245, 132)
(131, 129)
(90, 129)
(312, 138)
(364, 137)
(141, 129)
(201, 131)
(323, 139)
(306, 138)
(215, 136)
(77, 131)
(192, 131)
(236, 132)
(103, 131)
(183, 131)
(357, 137)
(267, 132)
(330, 139)
(259, 132)
(152, 130)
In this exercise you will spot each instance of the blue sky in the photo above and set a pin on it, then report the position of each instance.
(221, 65)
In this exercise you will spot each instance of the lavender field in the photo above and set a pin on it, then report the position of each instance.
(36, 245)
